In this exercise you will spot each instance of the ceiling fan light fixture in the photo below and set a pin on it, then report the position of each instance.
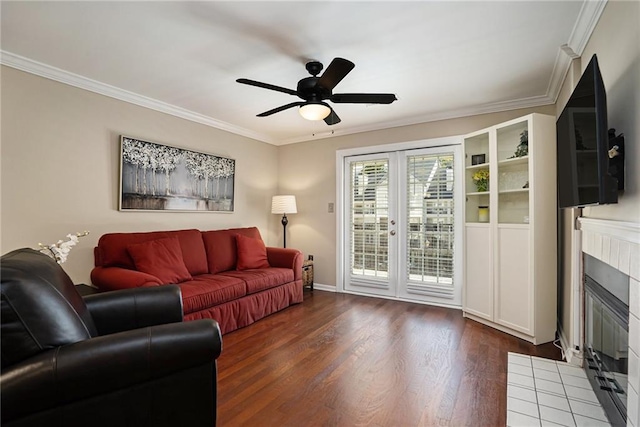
(315, 111)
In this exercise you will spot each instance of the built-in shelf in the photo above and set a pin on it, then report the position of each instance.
(480, 166)
(516, 190)
(510, 241)
(514, 162)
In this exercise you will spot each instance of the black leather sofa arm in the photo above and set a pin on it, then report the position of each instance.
(118, 311)
(107, 364)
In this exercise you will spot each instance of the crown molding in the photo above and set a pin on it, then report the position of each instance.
(587, 20)
(495, 107)
(43, 70)
(585, 24)
(47, 71)
(561, 67)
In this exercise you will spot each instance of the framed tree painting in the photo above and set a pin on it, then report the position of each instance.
(156, 177)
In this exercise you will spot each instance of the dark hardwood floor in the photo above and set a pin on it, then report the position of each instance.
(345, 360)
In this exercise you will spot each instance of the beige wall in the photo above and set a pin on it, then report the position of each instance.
(616, 42)
(60, 168)
(308, 170)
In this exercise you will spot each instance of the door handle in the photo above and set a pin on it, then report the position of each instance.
(392, 232)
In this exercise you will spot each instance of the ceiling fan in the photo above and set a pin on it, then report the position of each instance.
(315, 90)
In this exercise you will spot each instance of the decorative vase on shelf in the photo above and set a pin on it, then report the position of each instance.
(483, 213)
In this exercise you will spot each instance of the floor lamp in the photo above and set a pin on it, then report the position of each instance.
(284, 205)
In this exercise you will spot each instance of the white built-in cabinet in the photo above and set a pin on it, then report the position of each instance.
(510, 251)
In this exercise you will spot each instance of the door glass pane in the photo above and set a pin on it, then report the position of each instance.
(368, 217)
(430, 219)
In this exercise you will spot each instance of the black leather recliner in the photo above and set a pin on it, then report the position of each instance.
(121, 358)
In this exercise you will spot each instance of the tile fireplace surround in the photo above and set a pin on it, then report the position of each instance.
(618, 244)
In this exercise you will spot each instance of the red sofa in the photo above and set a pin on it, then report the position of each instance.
(226, 275)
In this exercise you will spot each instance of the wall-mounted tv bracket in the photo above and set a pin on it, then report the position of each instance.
(616, 157)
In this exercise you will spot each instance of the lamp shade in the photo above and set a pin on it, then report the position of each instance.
(315, 111)
(283, 205)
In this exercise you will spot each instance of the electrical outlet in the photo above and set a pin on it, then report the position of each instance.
(330, 209)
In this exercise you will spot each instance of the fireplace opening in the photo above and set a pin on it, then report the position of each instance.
(607, 336)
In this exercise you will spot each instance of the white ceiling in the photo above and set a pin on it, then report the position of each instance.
(441, 59)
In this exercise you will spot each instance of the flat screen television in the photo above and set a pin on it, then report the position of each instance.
(584, 166)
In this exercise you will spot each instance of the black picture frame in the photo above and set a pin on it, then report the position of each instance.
(478, 159)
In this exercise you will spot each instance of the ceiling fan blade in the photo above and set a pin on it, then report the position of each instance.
(267, 86)
(281, 108)
(335, 72)
(363, 98)
(332, 118)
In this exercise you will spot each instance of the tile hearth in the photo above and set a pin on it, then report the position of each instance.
(543, 392)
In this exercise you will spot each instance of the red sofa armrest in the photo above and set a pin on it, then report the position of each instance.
(114, 278)
(286, 258)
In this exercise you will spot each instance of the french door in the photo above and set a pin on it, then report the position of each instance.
(402, 225)
(370, 201)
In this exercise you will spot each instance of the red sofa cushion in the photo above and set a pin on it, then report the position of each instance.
(260, 279)
(221, 248)
(161, 258)
(252, 253)
(208, 290)
(112, 249)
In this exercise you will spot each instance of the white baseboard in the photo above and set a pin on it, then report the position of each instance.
(326, 288)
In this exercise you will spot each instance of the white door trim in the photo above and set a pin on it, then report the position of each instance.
(340, 183)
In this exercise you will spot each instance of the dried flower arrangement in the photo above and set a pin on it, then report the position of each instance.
(60, 250)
